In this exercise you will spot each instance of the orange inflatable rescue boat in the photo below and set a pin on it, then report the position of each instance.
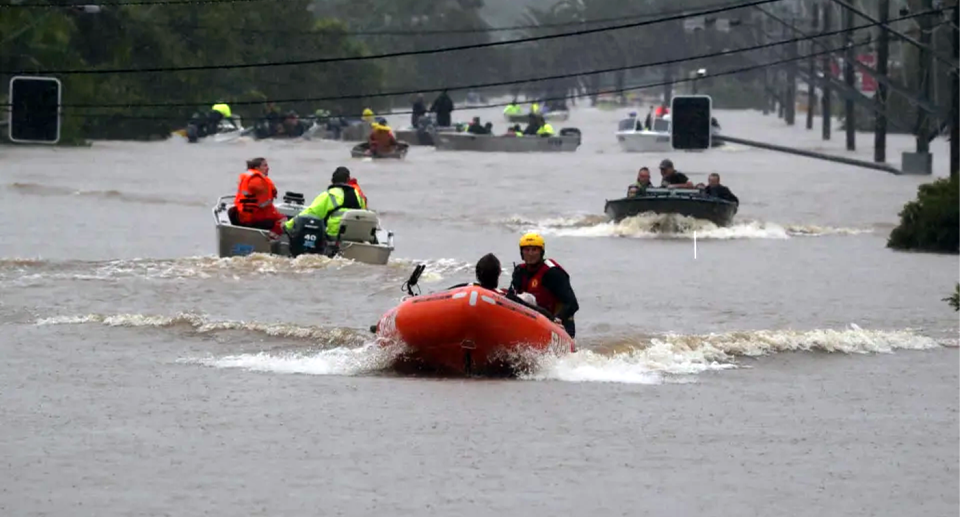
(470, 330)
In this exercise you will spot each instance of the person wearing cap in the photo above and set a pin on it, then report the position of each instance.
(671, 178)
(330, 206)
(546, 281)
(381, 139)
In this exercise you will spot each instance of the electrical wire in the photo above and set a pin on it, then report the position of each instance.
(490, 44)
(498, 83)
(750, 68)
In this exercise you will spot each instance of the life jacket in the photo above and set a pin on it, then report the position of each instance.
(353, 183)
(381, 138)
(545, 129)
(533, 284)
(253, 207)
(348, 199)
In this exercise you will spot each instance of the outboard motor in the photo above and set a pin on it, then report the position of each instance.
(309, 237)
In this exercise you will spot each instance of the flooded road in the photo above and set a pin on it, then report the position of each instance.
(795, 364)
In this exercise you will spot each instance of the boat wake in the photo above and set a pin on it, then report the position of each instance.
(36, 189)
(29, 271)
(672, 226)
(656, 359)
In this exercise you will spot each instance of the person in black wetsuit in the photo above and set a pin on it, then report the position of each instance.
(443, 107)
(715, 189)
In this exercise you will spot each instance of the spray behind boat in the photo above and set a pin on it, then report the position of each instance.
(408, 286)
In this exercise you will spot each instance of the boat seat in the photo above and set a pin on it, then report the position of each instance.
(232, 214)
(359, 226)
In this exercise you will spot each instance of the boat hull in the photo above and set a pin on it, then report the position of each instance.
(470, 330)
(238, 241)
(718, 211)
(362, 150)
(644, 142)
(507, 144)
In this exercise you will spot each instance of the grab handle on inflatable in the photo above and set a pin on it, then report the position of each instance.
(414, 278)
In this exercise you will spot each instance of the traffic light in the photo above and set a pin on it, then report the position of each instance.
(34, 110)
(690, 122)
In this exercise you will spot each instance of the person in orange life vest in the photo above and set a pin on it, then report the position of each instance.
(546, 281)
(254, 199)
(356, 187)
(381, 138)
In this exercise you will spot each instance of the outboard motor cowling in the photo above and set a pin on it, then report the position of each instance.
(309, 237)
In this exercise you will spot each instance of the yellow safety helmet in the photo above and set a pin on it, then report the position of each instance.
(532, 239)
(367, 112)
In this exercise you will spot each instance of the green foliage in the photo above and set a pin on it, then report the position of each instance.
(183, 35)
(932, 221)
(954, 299)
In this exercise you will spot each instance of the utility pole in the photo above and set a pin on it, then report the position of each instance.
(812, 67)
(791, 100)
(880, 97)
(954, 101)
(766, 70)
(848, 57)
(825, 109)
(926, 78)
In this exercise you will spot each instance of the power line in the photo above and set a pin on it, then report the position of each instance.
(37, 5)
(396, 54)
(432, 32)
(502, 83)
(555, 98)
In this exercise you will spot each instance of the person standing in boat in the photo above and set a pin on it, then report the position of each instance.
(715, 189)
(418, 110)
(443, 107)
(546, 281)
(329, 207)
(672, 178)
(254, 199)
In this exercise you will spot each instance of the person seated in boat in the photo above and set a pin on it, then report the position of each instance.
(534, 125)
(356, 186)
(254, 199)
(382, 141)
(225, 113)
(672, 178)
(715, 189)
(488, 274)
(514, 131)
(512, 109)
(546, 281)
(545, 129)
(329, 206)
(475, 127)
(643, 183)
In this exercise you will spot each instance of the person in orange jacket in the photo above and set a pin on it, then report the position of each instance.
(254, 199)
(381, 138)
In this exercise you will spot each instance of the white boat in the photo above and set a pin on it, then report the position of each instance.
(633, 138)
(228, 130)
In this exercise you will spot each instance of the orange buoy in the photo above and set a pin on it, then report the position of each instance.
(470, 330)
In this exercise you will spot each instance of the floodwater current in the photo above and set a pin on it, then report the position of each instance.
(793, 366)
